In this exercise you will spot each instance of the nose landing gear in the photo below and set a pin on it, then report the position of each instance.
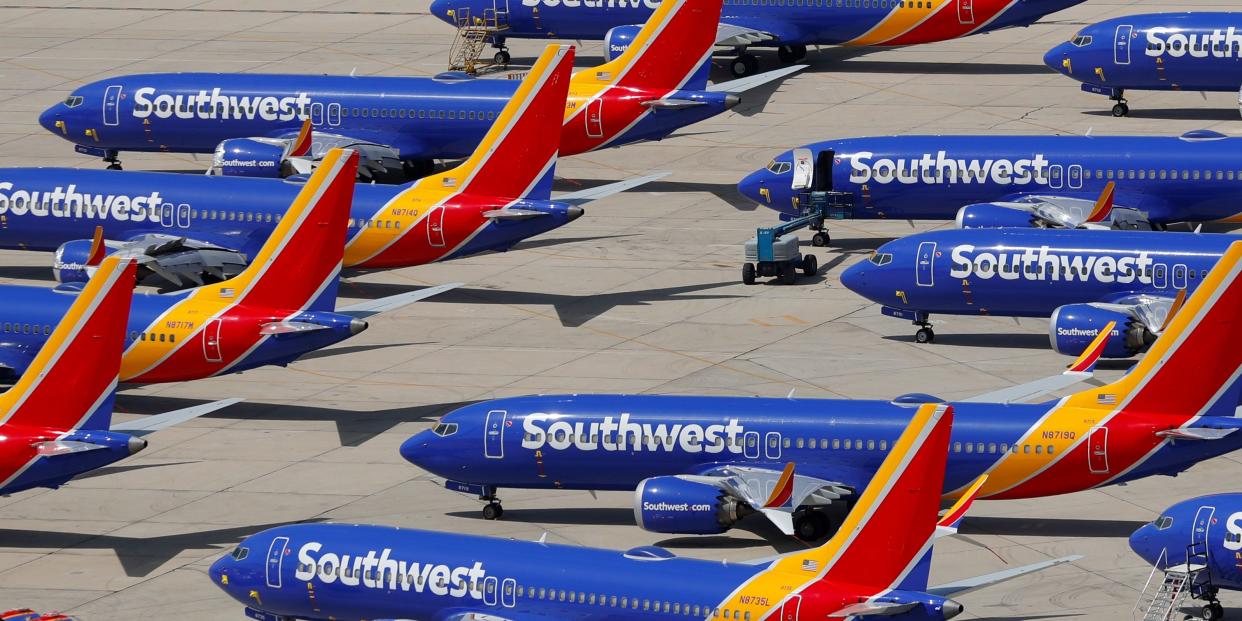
(1122, 107)
(114, 163)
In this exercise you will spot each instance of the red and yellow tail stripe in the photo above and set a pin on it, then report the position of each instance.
(1104, 205)
(292, 269)
(519, 149)
(1090, 356)
(1100, 434)
(782, 492)
(76, 369)
(301, 145)
(884, 535)
(927, 21)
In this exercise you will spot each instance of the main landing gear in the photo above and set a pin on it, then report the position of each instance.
(1122, 107)
(113, 162)
(747, 64)
(811, 525)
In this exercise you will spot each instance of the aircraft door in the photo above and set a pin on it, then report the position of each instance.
(772, 445)
(435, 227)
(167, 215)
(316, 114)
(823, 170)
(1159, 276)
(966, 11)
(334, 114)
(489, 590)
(1097, 450)
(183, 216)
(508, 593)
(211, 341)
(1121, 44)
(1179, 276)
(494, 434)
(1056, 177)
(751, 440)
(789, 610)
(112, 105)
(595, 118)
(803, 169)
(1075, 177)
(276, 558)
(923, 264)
(1199, 534)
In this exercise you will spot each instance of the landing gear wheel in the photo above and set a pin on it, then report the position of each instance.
(810, 265)
(811, 526)
(1121, 110)
(821, 239)
(114, 166)
(493, 511)
(789, 275)
(924, 335)
(502, 57)
(748, 274)
(1211, 611)
(744, 65)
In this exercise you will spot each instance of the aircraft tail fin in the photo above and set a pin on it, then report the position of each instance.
(1103, 205)
(517, 157)
(301, 145)
(72, 380)
(300, 264)
(897, 513)
(1194, 366)
(98, 249)
(671, 51)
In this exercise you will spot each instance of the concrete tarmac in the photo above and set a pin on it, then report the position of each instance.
(641, 295)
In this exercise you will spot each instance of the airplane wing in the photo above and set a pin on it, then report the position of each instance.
(183, 261)
(362, 310)
(298, 152)
(1082, 369)
(150, 424)
(733, 35)
(583, 197)
(458, 614)
(1068, 212)
(775, 494)
(971, 584)
(742, 85)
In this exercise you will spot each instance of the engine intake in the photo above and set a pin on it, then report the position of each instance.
(618, 40)
(671, 504)
(69, 262)
(992, 216)
(1073, 327)
(250, 157)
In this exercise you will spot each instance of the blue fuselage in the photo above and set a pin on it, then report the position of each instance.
(340, 571)
(1206, 531)
(1198, 51)
(1170, 179)
(1030, 272)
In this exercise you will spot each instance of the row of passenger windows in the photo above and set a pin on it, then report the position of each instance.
(162, 337)
(803, 443)
(848, 4)
(362, 113)
(247, 216)
(27, 328)
(1177, 45)
(540, 593)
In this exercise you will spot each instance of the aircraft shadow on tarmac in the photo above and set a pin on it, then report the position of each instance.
(1048, 527)
(1017, 340)
(1176, 114)
(572, 310)
(353, 428)
(139, 556)
(26, 272)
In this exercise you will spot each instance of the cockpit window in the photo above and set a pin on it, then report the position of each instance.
(240, 553)
(1163, 522)
(73, 101)
(779, 168)
(1081, 40)
(881, 258)
(444, 429)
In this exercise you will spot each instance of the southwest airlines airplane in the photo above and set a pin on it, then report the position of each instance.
(878, 565)
(1012, 181)
(787, 25)
(1196, 542)
(278, 308)
(400, 125)
(699, 464)
(1194, 51)
(56, 421)
(191, 229)
(1082, 280)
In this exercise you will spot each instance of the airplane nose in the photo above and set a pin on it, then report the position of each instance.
(218, 576)
(357, 325)
(753, 185)
(414, 450)
(855, 278)
(1057, 60)
(443, 10)
(136, 444)
(51, 121)
(1141, 543)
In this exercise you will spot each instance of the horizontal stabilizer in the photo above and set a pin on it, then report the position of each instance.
(874, 609)
(53, 448)
(1082, 369)
(1195, 433)
(289, 327)
(393, 302)
(672, 104)
(971, 584)
(950, 521)
(741, 85)
(510, 213)
(583, 197)
(149, 424)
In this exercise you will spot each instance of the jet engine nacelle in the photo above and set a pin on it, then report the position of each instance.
(992, 216)
(69, 262)
(1073, 327)
(249, 157)
(671, 504)
(618, 39)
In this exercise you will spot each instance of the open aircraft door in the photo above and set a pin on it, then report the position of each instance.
(803, 169)
(494, 434)
(966, 11)
(275, 559)
(112, 105)
(1097, 450)
(1121, 44)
